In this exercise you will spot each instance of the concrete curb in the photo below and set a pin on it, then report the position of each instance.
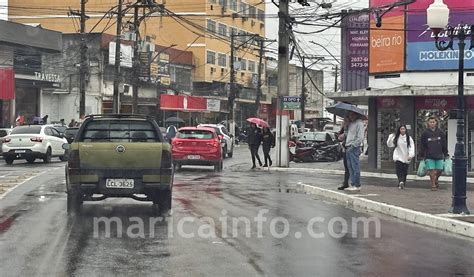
(429, 220)
(363, 174)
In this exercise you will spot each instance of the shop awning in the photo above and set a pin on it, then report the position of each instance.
(182, 103)
(7, 84)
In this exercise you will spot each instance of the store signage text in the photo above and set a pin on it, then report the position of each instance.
(49, 77)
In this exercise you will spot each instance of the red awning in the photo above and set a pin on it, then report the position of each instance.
(182, 103)
(7, 84)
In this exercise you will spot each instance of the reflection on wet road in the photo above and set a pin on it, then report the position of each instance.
(238, 222)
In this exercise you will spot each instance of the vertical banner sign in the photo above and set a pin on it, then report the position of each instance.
(387, 43)
(421, 49)
(355, 52)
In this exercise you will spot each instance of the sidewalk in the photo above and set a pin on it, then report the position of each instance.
(379, 193)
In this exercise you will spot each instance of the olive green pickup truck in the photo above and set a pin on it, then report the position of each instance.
(119, 156)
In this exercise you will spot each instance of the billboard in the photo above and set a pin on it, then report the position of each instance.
(387, 43)
(422, 54)
(126, 54)
(355, 51)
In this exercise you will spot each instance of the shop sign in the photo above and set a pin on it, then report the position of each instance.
(433, 103)
(126, 55)
(213, 105)
(144, 68)
(48, 77)
(291, 102)
(388, 102)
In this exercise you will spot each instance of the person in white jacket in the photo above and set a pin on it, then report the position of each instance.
(402, 154)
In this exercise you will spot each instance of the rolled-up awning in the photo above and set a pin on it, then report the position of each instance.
(7, 84)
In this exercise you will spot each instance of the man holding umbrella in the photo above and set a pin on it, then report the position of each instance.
(354, 139)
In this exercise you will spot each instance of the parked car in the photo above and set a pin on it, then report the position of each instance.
(70, 134)
(61, 128)
(227, 141)
(119, 156)
(3, 132)
(33, 142)
(197, 146)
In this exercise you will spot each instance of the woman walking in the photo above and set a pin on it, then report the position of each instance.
(268, 143)
(402, 154)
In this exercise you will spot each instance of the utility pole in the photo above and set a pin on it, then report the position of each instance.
(303, 91)
(83, 64)
(232, 93)
(136, 61)
(259, 79)
(283, 86)
(116, 104)
(335, 90)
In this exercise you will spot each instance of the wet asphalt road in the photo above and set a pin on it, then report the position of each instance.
(207, 233)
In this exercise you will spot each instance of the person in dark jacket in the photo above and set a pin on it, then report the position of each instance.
(254, 140)
(341, 136)
(434, 149)
(268, 143)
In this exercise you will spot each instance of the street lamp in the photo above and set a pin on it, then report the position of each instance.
(437, 20)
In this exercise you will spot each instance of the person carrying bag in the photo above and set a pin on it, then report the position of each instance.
(402, 154)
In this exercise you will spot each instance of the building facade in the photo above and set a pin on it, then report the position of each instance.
(397, 71)
(25, 74)
(203, 27)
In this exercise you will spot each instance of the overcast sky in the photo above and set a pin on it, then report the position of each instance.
(330, 38)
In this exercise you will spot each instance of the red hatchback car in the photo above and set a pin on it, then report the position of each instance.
(197, 146)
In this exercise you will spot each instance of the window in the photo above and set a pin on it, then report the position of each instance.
(120, 131)
(211, 26)
(26, 130)
(243, 9)
(222, 3)
(251, 66)
(243, 64)
(222, 60)
(233, 5)
(241, 36)
(232, 31)
(211, 57)
(261, 15)
(195, 134)
(236, 63)
(252, 12)
(222, 30)
(213, 1)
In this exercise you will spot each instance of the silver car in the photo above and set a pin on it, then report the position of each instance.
(227, 140)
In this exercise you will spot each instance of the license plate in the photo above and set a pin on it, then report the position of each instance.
(120, 183)
(20, 151)
(194, 157)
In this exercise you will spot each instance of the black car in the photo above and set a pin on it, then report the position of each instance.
(70, 134)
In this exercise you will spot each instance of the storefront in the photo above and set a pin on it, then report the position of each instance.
(414, 112)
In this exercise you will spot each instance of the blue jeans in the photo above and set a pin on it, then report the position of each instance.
(352, 154)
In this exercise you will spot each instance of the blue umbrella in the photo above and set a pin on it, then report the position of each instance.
(342, 109)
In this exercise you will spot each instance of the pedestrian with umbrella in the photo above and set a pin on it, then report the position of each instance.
(354, 139)
(255, 138)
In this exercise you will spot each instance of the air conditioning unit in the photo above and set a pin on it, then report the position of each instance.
(252, 23)
(213, 69)
(244, 18)
(223, 9)
(222, 71)
(262, 25)
(235, 15)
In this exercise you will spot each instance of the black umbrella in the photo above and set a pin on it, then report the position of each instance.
(342, 109)
(174, 119)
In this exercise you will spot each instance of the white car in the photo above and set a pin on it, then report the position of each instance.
(33, 142)
(227, 141)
